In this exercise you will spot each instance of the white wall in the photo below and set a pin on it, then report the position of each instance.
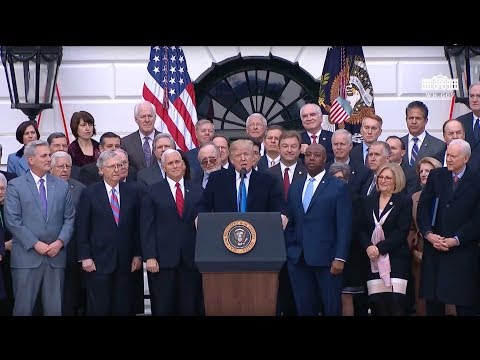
(107, 81)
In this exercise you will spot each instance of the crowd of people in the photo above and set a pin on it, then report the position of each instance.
(372, 228)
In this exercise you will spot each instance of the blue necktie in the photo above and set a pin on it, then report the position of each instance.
(308, 194)
(147, 151)
(43, 196)
(242, 197)
(413, 157)
(476, 129)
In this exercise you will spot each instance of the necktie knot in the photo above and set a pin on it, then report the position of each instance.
(314, 139)
(415, 140)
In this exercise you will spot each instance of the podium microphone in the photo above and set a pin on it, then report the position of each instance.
(243, 173)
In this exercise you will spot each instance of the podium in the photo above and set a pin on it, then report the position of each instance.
(239, 256)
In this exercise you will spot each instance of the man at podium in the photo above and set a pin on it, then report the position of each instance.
(240, 188)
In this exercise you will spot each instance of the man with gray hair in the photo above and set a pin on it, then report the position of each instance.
(57, 141)
(204, 130)
(209, 159)
(378, 155)
(471, 121)
(154, 173)
(448, 215)
(74, 300)
(39, 212)
(256, 128)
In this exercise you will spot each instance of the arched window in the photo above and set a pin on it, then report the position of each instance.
(231, 90)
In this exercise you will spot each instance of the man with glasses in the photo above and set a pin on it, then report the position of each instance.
(74, 298)
(57, 141)
(256, 127)
(209, 159)
(108, 239)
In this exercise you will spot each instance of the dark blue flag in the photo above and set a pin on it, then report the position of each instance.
(346, 92)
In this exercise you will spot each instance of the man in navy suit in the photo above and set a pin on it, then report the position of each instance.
(108, 243)
(263, 192)
(471, 121)
(318, 237)
(311, 116)
(204, 130)
(418, 142)
(168, 237)
(448, 216)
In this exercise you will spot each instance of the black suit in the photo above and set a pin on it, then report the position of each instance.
(170, 239)
(192, 157)
(112, 247)
(450, 277)
(132, 144)
(357, 156)
(263, 194)
(467, 121)
(325, 139)
(150, 175)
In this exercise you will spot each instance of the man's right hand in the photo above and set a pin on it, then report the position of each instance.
(88, 265)
(40, 247)
(152, 265)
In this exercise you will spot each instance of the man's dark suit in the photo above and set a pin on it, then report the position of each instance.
(450, 277)
(325, 139)
(170, 239)
(467, 121)
(412, 180)
(192, 157)
(357, 156)
(314, 239)
(263, 194)
(74, 290)
(89, 174)
(150, 175)
(111, 247)
(286, 302)
(132, 144)
(430, 147)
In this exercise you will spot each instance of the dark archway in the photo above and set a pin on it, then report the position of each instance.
(231, 90)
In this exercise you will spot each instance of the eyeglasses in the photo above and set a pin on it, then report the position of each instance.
(64, 166)
(210, 160)
(255, 125)
(385, 178)
(114, 166)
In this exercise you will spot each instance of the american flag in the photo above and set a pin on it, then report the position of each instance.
(169, 88)
(340, 110)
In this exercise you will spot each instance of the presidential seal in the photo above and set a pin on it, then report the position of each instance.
(239, 237)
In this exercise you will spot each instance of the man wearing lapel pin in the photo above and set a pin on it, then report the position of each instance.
(168, 236)
(39, 212)
(448, 216)
(318, 236)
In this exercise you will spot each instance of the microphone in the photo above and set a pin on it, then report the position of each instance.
(243, 173)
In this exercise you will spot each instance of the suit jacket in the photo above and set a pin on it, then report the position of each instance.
(111, 247)
(263, 194)
(262, 164)
(395, 228)
(412, 181)
(17, 163)
(324, 231)
(467, 121)
(300, 174)
(430, 147)
(25, 219)
(76, 188)
(450, 277)
(133, 146)
(89, 174)
(165, 235)
(325, 139)
(357, 156)
(150, 175)
(8, 175)
(192, 157)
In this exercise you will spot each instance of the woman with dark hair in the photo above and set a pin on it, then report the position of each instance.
(27, 132)
(83, 150)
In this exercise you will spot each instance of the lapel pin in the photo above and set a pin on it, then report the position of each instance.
(323, 181)
(324, 139)
(390, 203)
(299, 173)
(425, 145)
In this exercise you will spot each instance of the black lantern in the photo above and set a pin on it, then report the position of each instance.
(31, 76)
(464, 66)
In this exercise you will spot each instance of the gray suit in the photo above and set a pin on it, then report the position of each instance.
(25, 220)
(150, 175)
(430, 147)
(133, 146)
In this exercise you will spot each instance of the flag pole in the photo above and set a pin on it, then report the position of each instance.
(452, 104)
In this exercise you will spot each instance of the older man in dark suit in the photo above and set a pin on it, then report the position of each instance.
(448, 216)
(39, 212)
(311, 116)
(74, 301)
(108, 240)
(471, 120)
(139, 144)
(154, 173)
(168, 236)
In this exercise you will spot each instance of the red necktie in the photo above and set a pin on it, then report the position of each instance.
(179, 199)
(314, 139)
(286, 183)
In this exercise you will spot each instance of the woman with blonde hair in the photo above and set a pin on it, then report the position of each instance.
(386, 216)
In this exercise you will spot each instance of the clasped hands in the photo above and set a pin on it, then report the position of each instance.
(48, 249)
(441, 243)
